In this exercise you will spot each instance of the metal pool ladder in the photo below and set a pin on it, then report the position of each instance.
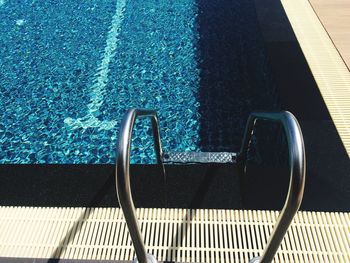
(293, 200)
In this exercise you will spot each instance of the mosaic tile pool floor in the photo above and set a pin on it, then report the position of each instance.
(69, 70)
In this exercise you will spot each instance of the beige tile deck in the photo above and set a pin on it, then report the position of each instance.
(335, 17)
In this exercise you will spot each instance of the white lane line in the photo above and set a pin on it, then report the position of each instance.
(98, 89)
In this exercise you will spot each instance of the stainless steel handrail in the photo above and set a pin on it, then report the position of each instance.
(297, 164)
(123, 176)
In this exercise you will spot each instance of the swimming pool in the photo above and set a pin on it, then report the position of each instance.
(71, 69)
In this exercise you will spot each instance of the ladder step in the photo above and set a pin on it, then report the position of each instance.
(199, 157)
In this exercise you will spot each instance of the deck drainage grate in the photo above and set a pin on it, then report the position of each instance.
(180, 235)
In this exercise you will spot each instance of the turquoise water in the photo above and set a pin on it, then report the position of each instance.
(70, 70)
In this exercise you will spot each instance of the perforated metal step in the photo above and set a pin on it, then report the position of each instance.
(199, 157)
(170, 234)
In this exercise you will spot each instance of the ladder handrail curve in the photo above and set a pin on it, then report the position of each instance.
(297, 166)
(123, 175)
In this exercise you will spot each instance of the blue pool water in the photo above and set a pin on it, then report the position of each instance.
(69, 70)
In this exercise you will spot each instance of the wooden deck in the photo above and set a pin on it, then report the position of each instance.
(335, 17)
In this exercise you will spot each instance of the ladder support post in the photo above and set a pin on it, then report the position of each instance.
(297, 167)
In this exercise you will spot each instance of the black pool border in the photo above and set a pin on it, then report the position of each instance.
(328, 166)
(185, 186)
